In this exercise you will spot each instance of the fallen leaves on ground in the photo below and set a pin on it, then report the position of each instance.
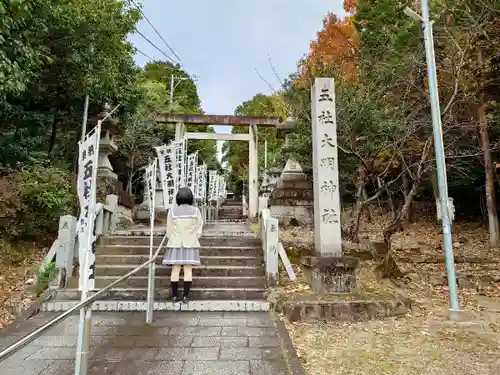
(421, 342)
(397, 346)
(17, 290)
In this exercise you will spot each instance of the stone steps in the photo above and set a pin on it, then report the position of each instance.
(228, 221)
(105, 270)
(163, 294)
(205, 305)
(229, 217)
(164, 281)
(222, 240)
(227, 251)
(208, 260)
(232, 270)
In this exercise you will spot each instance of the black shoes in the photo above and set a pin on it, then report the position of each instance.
(187, 288)
(175, 291)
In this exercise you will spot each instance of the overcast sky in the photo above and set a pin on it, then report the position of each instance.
(224, 41)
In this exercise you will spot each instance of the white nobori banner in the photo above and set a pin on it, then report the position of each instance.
(150, 182)
(88, 151)
(221, 186)
(192, 162)
(202, 182)
(212, 185)
(180, 163)
(167, 173)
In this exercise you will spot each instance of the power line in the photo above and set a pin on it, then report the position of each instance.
(193, 77)
(156, 31)
(155, 46)
(142, 53)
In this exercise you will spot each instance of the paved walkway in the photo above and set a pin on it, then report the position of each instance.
(185, 343)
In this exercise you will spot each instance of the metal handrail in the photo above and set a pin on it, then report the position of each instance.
(38, 332)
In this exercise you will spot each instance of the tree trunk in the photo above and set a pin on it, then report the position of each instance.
(131, 174)
(490, 178)
(368, 212)
(406, 209)
(406, 192)
(352, 227)
(488, 166)
(53, 135)
(388, 267)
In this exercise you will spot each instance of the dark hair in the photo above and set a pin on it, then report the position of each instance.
(184, 196)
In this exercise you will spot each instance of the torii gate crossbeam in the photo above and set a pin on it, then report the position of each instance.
(181, 120)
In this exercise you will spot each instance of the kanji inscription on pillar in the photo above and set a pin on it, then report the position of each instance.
(327, 227)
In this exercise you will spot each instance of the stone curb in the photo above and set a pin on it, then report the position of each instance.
(291, 358)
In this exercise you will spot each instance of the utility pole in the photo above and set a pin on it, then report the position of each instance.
(85, 116)
(265, 154)
(439, 150)
(86, 105)
(173, 86)
(172, 89)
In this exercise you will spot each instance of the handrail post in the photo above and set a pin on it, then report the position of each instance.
(112, 202)
(66, 238)
(99, 222)
(82, 350)
(272, 239)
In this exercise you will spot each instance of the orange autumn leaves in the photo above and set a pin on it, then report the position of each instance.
(335, 48)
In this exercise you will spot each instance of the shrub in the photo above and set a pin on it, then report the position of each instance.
(33, 199)
(44, 276)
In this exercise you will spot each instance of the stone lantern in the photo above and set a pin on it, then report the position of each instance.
(107, 179)
(274, 174)
(269, 179)
(110, 129)
(291, 199)
(292, 169)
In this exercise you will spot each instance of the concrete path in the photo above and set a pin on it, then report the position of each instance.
(186, 343)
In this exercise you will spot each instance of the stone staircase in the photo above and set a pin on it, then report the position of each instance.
(232, 272)
(232, 210)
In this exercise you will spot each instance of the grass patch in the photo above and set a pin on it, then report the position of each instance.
(44, 276)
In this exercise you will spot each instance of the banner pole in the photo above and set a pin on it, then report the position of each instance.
(152, 266)
(85, 323)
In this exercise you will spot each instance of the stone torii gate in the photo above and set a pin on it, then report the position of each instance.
(252, 137)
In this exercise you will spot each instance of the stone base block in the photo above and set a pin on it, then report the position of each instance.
(330, 274)
(351, 311)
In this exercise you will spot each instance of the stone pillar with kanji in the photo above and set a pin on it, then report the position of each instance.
(329, 270)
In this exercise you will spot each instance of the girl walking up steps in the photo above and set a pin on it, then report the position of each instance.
(184, 229)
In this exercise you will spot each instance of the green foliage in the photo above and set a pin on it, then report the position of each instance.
(52, 53)
(383, 112)
(44, 276)
(21, 23)
(142, 133)
(235, 154)
(158, 75)
(18, 148)
(38, 196)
